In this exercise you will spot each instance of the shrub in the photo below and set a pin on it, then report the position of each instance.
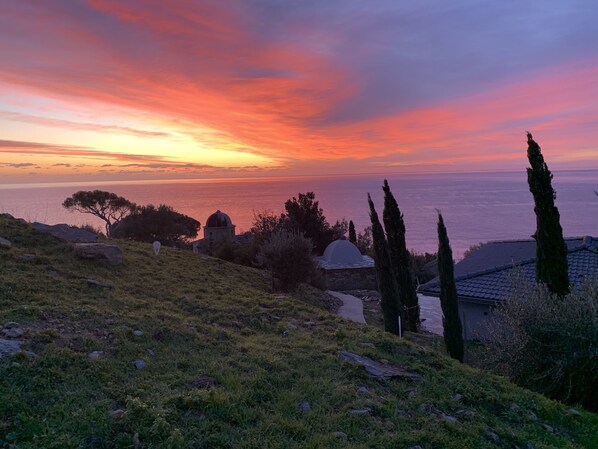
(287, 256)
(239, 252)
(548, 343)
(148, 224)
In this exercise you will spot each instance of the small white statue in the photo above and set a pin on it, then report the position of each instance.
(157, 246)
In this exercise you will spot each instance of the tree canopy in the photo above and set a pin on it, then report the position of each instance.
(107, 206)
(162, 223)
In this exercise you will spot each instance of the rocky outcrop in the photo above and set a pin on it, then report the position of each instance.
(66, 232)
(111, 254)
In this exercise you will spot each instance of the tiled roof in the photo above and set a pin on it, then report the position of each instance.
(487, 274)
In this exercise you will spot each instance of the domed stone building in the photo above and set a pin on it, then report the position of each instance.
(345, 268)
(219, 229)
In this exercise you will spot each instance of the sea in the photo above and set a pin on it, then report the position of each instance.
(477, 207)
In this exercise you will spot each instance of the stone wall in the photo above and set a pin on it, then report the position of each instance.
(351, 279)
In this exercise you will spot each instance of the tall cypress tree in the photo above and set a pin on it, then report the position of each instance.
(387, 283)
(352, 234)
(400, 258)
(551, 250)
(453, 332)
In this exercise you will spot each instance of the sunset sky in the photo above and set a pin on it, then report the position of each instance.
(119, 89)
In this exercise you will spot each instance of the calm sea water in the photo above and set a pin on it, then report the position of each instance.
(477, 207)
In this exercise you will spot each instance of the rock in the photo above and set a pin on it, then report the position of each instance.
(280, 297)
(515, 408)
(548, 428)
(304, 407)
(340, 435)
(532, 416)
(417, 446)
(136, 442)
(5, 242)
(12, 330)
(138, 333)
(27, 258)
(109, 321)
(368, 345)
(111, 254)
(493, 437)
(389, 425)
(574, 412)
(457, 397)
(118, 413)
(449, 419)
(9, 347)
(66, 232)
(94, 283)
(151, 352)
(285, 333)
(139, 364)
(360, 412)
(377, 369)
(202, 382)
(96, 355)
(363, 390)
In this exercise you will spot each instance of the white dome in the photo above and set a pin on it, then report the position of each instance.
(342, 252)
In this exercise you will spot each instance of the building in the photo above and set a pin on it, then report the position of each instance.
(486, 277)
(218, 230)
(345, 268)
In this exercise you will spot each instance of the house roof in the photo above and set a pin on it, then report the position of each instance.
(486, 274)
(342, 254)
(218, 220)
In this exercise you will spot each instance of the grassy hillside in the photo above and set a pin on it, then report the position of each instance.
(229, 365)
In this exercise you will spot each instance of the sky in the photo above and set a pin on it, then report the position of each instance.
(131, 89)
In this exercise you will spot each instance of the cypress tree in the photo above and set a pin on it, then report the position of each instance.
(551, 250)
(387, 283)
(400, 258)
(453, 332)
(352, 234)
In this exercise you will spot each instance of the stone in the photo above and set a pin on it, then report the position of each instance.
(493, 437)
(574, 412)
(368, 345)
(27, 258)
(9, 347)
(360, 412)
(340, 435)
(377, 369)
(12, 330)
(118, 413)
(548, 428)
(280, 297)
(363, 390)
(202, 382)
(457, 397)
(136, 442)
(139, 364)
(304, 407)
(532, 416)
(66, 232)
(515, 408)
(138, 333)
(285, 333)
(94, 283)
(111, 254)
(5, 242)
(417, 446)
(151, 352)
(96, 355)
(449, 419)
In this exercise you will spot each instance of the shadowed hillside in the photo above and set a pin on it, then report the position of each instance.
(224, 363)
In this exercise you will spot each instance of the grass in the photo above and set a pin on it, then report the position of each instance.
(264, 354)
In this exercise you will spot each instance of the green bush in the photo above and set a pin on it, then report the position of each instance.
(288, 258)
(549, 343)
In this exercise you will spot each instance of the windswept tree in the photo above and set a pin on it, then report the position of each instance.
(387, 282)
(352, 234)
(394, 226)
(162, 223)
(551, 250)
(453, 331)
(107, 206)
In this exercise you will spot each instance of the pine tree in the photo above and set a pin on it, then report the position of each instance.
(400, 258)
(551, 250)
(453, 332)
(391, 306)
(352, 234)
